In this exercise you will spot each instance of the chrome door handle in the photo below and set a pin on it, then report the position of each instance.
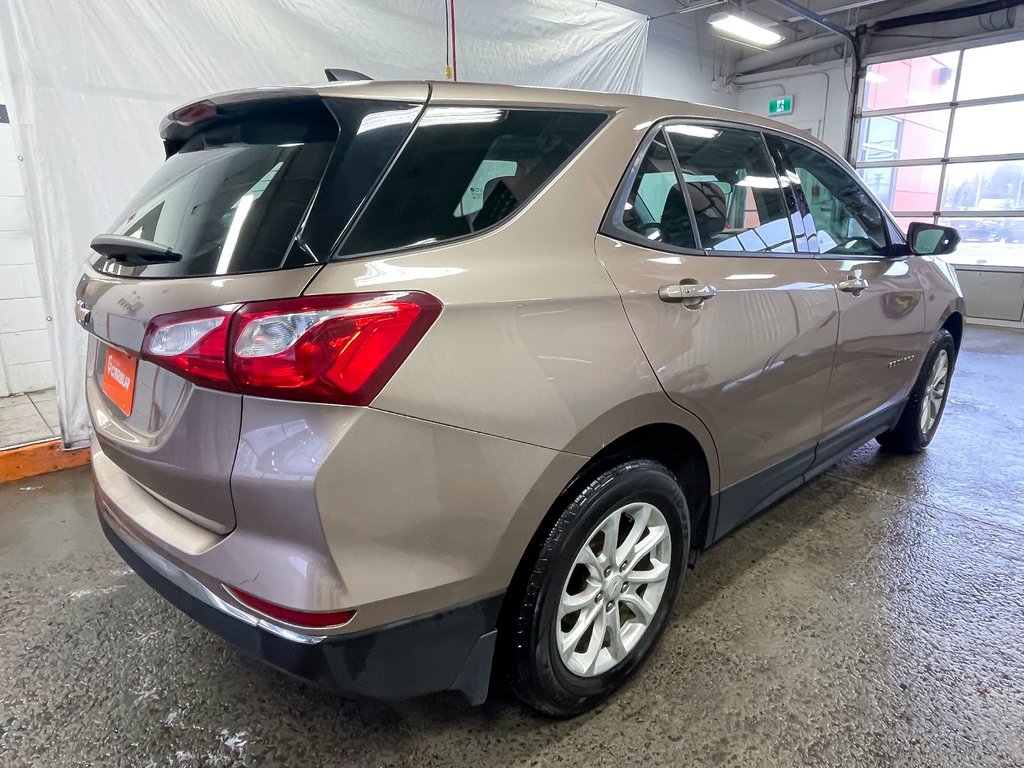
(687, 292)
(854, 284)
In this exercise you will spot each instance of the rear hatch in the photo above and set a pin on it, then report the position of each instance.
(255, 193)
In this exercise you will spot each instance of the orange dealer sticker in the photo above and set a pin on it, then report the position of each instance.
(119, 379)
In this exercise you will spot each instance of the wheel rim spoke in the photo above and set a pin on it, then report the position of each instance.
(935, 392)
(641, 518)
(588, 658)
(654, 537)
(567, 642)
(570, 604)
(616, 647)
(589, 560)
(643, 610)
(657, 573)
(610, 529)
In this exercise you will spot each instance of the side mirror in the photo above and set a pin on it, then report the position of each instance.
(931, 239)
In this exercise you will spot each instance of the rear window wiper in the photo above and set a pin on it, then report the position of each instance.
(133, 251)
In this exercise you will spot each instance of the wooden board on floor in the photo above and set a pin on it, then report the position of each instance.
(38, 459)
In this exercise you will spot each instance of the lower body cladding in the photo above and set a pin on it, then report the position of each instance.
(423, 563)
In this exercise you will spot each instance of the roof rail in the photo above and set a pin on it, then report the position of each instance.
(344, 75)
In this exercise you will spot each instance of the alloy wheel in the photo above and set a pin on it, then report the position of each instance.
(935, 392)
(614, 589)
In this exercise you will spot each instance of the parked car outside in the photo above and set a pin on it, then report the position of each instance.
(396, 384)
(982, 230)
(1013, 230)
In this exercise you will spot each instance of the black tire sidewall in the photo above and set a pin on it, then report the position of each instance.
(943, 341)
(563, 691)
(906, 436)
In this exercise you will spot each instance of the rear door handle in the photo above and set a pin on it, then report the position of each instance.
(854, 284)
(687, 292)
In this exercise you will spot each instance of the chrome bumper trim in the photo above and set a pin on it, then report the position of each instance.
(192, 586)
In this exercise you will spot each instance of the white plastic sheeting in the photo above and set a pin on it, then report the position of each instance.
(91, 80)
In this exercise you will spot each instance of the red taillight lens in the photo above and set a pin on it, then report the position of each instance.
(312, 619)
(327, 348)
(193, 344)
(336, 349)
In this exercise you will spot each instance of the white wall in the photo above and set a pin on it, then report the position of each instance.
(24, 339)
(88, 109)
(680, 64)
(821, 98)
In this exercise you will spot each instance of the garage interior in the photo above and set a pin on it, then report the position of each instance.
(873, 617)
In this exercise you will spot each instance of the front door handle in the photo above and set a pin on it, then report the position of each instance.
(687, 292)
(854, 284)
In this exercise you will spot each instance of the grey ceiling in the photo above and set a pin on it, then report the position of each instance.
(682, 19)
(847, 13)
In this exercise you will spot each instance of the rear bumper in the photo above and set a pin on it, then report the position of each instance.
(451, 649)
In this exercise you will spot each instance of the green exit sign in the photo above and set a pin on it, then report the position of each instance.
(781, 106)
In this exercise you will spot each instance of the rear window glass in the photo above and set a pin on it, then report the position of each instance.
(466, 169)
(233, 197)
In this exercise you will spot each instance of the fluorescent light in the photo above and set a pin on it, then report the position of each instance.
(387, 118)
(875, 77)
(697, 131)
(459, 115)
(744, 29)
(234, 230)
(759, 182)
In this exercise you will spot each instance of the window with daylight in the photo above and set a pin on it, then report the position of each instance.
(939, 140)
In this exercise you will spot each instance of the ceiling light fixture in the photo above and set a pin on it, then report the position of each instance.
(747, 29)
(697, 131)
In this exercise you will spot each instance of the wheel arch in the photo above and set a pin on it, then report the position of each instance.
(668, 444)
(665, 442)
(954, 323)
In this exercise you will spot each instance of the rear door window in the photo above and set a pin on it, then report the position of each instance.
(232, 198)
(733, 189)
(465, 169)
(655, 210)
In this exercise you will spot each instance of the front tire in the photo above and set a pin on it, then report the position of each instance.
(601, 589)
(921, 415)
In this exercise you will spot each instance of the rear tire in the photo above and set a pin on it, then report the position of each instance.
(591, 610)
(921, 415)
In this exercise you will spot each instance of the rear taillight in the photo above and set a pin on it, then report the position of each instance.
(192, 344)
(310, 619)
(336, 349)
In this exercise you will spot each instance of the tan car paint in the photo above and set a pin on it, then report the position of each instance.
(883, 323)
(179, 441)
(430, 496)
(753, 363)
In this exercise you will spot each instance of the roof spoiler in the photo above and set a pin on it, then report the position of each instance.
(344, 75)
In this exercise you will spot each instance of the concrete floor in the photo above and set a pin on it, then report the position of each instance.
(875, 617)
